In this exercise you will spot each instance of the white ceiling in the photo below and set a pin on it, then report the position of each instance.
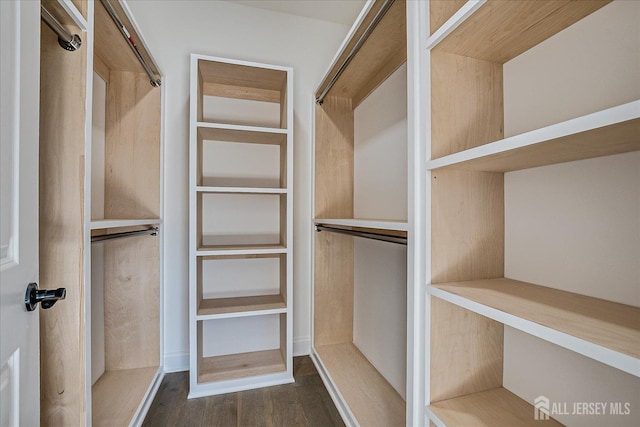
(339, 11)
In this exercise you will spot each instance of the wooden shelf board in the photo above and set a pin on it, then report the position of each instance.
(242, 80)
(379, 224)
(606, 331)
(240, 250)
(611, 131)
(381, 54)
(117, 223)
(241, 133)
(213, 306)
(497, 407)
(232, 366)
(240, 190)
(117, 395)
(369, 396)
(501, 30)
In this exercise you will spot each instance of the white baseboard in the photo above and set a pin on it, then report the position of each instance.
(176, 362)
(301, 346)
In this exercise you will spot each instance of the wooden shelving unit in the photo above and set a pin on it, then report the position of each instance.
(101, 173)
(241, 221)
(471, 302)
(606, 331)
(362, 262)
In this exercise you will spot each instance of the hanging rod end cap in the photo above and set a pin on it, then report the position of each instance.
(72, 45)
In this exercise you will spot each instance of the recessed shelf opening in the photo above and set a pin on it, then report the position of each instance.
(241, 94)
(241, 220)
(241, 158)
(241, 283)
(241, 347)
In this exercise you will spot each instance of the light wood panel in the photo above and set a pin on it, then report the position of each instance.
(609, 324)
(334, 159)
(497, 407)
(333, 264)
(232, 366)
(604, 141)
(467, 240)
(240, 134)
(132, 147)
(110, 46)
(117, 395)
(370, 397)
(241, 81)
(466, 351)
(132, 302)
(502, 29)
(55, 8)
(240, 304)
(61, 161)
(82, 6)
(440, 11)
(467, 105)
(383, 52)
(333, 289)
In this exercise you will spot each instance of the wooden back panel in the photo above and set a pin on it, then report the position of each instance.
(62, 143)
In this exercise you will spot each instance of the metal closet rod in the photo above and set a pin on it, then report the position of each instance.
(155, 82)
(363, 38)
(67, 41)
(367, 235)
(152, 231)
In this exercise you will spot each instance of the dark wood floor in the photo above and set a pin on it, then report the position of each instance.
(303, 403)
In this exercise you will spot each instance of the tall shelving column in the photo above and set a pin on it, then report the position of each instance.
(241, 224)
(476, 308)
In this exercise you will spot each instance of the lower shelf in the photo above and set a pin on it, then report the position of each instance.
(117, 395)
(497, 407)
(221, 306)
(370, 397)
(232, 366)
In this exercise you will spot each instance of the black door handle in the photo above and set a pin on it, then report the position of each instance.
(48, 298)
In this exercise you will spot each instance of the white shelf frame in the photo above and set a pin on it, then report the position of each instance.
(242, 383)
(588, 122)
(597, 352)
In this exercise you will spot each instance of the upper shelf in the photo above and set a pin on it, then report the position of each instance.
(384, 50)
(240, 92)
(606, 331)
(240, 133)
(498, 31)
(611, 131)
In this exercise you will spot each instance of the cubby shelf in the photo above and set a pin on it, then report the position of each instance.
(241, 250)
(102, 224)
(241, 133)
(234, 366)
(498, 31)
(241, 190)
(496, 407)
(603, 330)
(610, 131)
(213, 308)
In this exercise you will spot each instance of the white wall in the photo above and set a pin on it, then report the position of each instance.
(380, 192)
(173, 30)
(574, 226)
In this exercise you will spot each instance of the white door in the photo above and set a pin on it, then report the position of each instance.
(19, 329)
